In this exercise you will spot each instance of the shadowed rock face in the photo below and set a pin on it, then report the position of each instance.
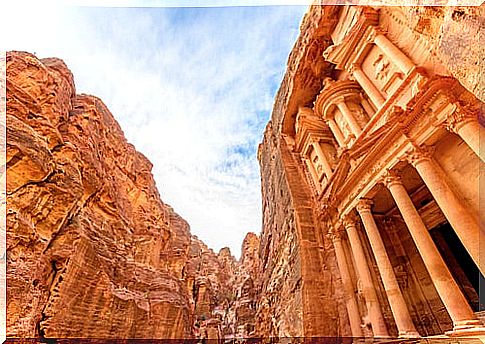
(224, 290)
(92, 251)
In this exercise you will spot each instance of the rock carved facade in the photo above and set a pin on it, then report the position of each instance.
(370, 179)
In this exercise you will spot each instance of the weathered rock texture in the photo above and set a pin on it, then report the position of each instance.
(92, 251)
(223, 290)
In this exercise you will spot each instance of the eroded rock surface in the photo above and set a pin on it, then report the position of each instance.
(92, 251)
(224, 290)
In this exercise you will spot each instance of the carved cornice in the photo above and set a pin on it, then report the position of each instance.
(310, 127)
(428, 91)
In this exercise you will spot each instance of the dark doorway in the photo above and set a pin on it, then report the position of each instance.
(460, 263)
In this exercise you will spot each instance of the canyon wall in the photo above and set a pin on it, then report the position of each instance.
(92, 250)
(224, 290)
(300, 288)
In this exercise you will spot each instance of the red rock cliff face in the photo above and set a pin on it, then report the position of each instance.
(299, 278)
(223, 289)
(92, 251)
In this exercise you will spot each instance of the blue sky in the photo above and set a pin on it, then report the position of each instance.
(192, 89)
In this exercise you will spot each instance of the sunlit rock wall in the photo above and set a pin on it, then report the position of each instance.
(301, 291)
(92, 251)
(223, 289)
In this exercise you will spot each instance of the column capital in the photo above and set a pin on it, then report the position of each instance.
(336, 233)
(348, 220)
(390, 178)
(417, 155)
(457, 119)
(364, 205)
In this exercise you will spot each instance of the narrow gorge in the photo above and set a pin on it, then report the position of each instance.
(371, 167)
(92, 250)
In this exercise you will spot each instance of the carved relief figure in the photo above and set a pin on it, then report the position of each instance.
(381, 65)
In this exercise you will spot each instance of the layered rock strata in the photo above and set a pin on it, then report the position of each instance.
(224, 290)
(92, 251)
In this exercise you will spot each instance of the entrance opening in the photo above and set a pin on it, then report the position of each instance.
(461, 265)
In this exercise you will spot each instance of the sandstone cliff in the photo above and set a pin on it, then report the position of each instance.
(223, 290)
(92, 251)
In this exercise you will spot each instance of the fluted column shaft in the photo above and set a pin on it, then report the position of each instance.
(451, 295)
(367, 85)
(399, 308)
(351, 302)
(459, 217)
(376, 318)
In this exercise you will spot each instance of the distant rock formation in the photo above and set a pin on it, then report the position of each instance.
(224, 290)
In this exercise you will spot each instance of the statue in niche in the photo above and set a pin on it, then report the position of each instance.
(381, 67)
(330, 153)
(359, 113)
(344, 128)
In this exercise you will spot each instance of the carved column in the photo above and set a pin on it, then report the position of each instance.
(393, 53)
(367, 107)
(464, 224)
(351, 301)
(466, 125)
(326, 166)
(451, 295)
(336, 132)
(376, 318)
(399, 308)
(349, 117)
(367, 85)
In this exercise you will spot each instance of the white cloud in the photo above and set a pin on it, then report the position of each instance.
(192, 90)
